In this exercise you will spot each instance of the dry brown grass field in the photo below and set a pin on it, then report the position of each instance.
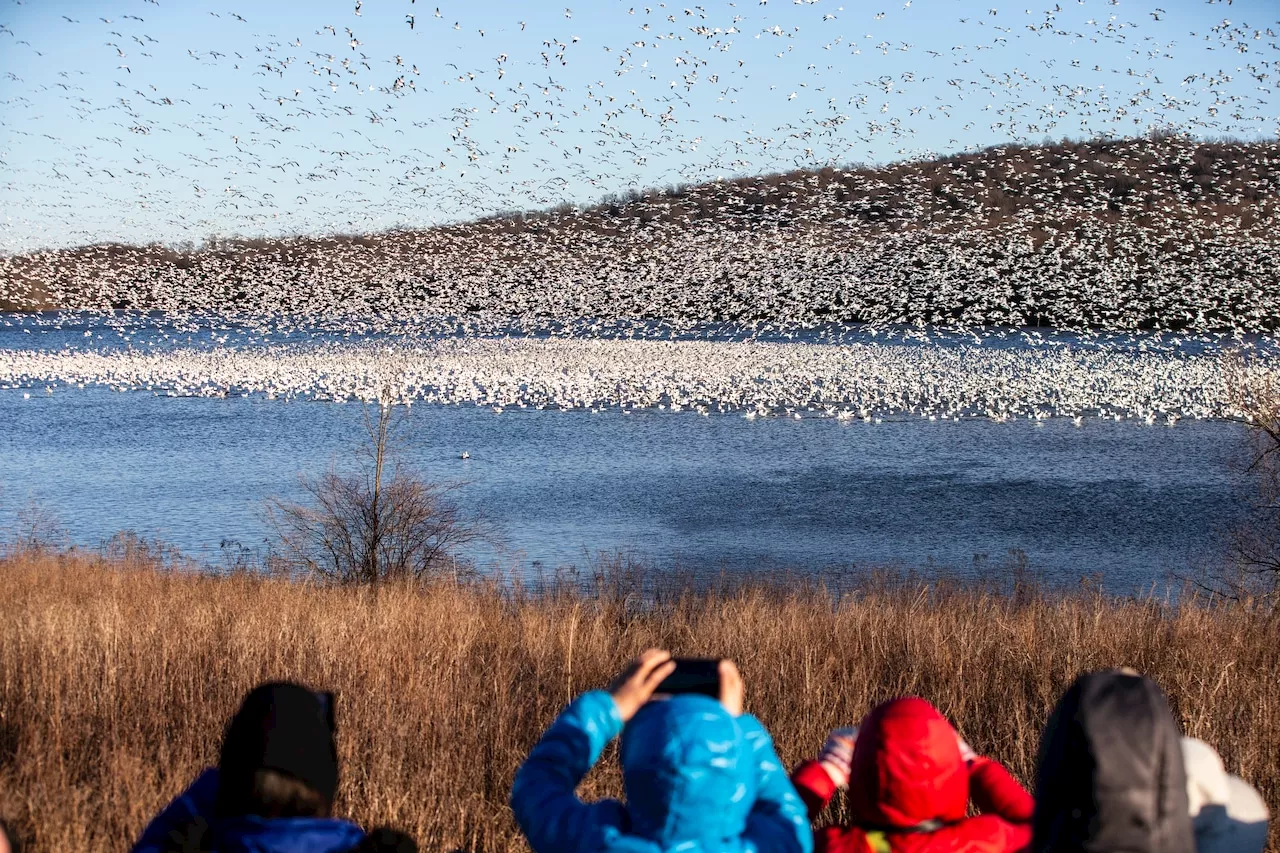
(116, 679)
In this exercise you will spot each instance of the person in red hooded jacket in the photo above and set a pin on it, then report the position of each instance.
(910, 777)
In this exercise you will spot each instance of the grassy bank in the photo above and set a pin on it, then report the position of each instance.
(115, 680)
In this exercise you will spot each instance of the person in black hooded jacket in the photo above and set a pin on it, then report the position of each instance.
(1110, 777)
(273, 789)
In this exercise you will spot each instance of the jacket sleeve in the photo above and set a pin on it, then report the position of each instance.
(995, 791)
(814, 785)
(778, 822)
(543, 795)
(196, 804)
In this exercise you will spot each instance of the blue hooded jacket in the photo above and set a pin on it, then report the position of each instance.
(248, 834)
(697, 780)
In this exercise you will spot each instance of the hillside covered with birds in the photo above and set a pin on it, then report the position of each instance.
(1160, 232)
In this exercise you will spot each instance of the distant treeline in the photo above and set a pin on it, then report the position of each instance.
(1158, 232)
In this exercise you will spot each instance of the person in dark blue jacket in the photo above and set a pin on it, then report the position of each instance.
(273, 789)
(699, 775)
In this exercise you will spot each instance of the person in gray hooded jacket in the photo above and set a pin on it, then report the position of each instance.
(1110, 776)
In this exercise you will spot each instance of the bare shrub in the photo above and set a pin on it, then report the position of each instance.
(384, 522)
(130, 550)
(1255, 541)
(36, 530)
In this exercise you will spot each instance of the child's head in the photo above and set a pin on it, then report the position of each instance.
(279, 758)
(906, 768)
(1226, 812)
(688, 770)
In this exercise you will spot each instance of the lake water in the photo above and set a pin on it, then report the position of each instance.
(1133, 501)
(1129, 501)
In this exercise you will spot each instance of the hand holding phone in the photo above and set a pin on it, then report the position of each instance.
(732, 689)
(636, 684)
(717, 678)
(692, 675)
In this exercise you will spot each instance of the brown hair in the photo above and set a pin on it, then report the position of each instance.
(273, 794)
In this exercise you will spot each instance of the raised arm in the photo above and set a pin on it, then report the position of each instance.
(543, 795)
(779, 822)
(814, 786)
(995, 791)
(817, 781)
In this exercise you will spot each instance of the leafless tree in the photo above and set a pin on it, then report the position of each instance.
(382, 522)
(1255, 540)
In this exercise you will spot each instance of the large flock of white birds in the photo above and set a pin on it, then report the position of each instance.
(1141, 234)
(863, 382)
(1163, 232)
(142, 120)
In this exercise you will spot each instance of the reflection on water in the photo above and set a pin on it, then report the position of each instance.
(1130, 501)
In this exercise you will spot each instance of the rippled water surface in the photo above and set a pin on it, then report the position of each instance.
(1131, 501)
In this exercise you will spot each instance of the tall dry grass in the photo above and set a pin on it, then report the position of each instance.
(116, 680)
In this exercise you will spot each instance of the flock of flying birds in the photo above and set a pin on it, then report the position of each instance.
(340, 123)
(1160, 231)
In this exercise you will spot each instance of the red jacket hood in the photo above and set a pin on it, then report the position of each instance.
(907, 767)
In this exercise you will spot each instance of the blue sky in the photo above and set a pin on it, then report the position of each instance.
(139, 120)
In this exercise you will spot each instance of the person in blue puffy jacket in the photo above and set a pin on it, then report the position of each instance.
(699, 775)
(273, 788)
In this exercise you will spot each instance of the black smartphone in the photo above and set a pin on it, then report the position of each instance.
(693, 675)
